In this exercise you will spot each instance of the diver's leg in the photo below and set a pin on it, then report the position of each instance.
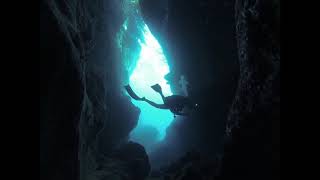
(158, 89)
(160, 106)
(162, 96)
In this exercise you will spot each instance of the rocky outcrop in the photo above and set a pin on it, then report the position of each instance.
(84, 114)
(136, 158)
(61, 95)
(199, 42)
(193, 165)
(253, 116)
(252, 148)
(128, 161)
(259, 57)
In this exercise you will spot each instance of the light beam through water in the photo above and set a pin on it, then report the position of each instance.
(151, 68)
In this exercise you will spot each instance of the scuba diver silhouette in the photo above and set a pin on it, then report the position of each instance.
(175, 103)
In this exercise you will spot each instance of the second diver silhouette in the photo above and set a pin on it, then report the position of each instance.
(175, 103)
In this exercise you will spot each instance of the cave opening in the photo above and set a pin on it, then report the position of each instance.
(146, 65)
(150, 69)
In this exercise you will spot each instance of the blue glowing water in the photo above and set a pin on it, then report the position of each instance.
(150, 69)
(146, 65)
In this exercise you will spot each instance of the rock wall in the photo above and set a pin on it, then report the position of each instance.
(252, 116)
(84, 115)
(199, 41)
(252, 150)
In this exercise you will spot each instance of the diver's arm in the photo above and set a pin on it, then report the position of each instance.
(181, 114)
(160, 106)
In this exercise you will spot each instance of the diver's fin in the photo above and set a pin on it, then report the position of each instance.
(157, 88)
(132, 94)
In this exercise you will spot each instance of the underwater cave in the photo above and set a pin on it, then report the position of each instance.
(199, 106)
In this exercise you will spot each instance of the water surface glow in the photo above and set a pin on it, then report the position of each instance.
(150, 69)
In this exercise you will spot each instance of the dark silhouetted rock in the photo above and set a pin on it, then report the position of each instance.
(193, 165)
(127, 162)
(83, 112)
(254, 119)
(199, 42)
(136, 159)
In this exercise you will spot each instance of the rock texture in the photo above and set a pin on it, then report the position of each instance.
(199, 40)
(84, 116)
(192, 165)
(252, 136)
(253, 128)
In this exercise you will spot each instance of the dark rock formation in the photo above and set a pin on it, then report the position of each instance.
(193, 165)
(198, 36)
(83, 113)
(252, 150)
(128, 161)
(200, 43)
(136, 158)
(61, 95)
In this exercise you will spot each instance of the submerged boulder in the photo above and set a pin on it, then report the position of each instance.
(127, 162)
(136, 159)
